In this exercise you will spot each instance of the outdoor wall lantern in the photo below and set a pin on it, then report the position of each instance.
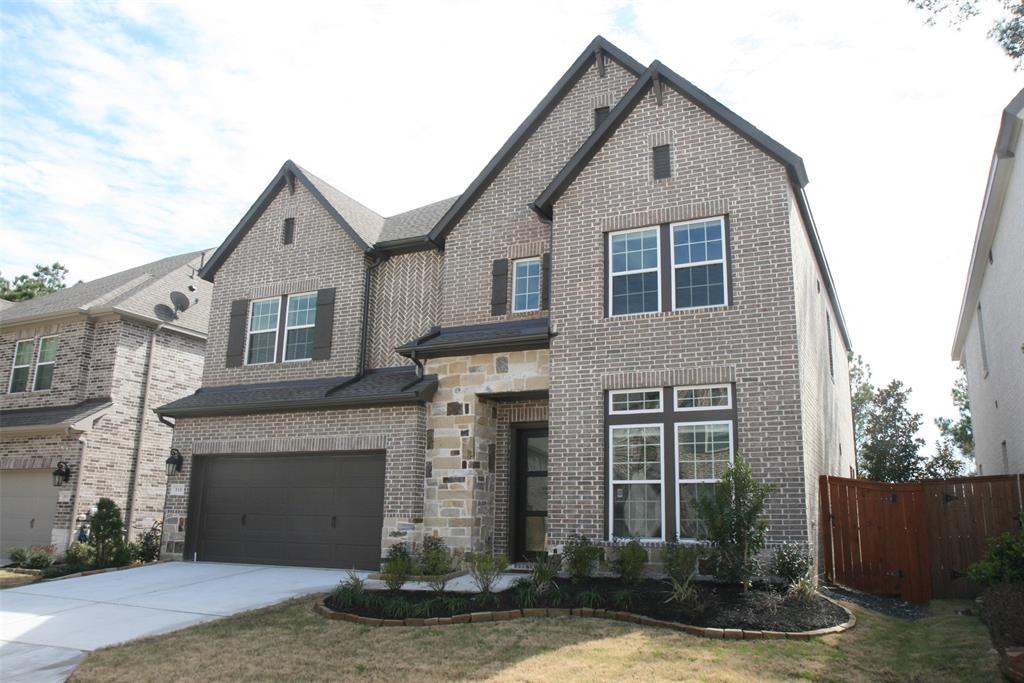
(174, 462)
(62, 474)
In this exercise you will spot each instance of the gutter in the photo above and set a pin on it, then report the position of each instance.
(140, 439)
(537, 341)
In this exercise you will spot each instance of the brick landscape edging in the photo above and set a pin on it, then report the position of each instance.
(320, 607)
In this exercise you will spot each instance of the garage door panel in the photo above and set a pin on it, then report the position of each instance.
(313, 510)
(28, 504)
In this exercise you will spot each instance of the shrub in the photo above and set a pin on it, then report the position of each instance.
(790, 561)
(589, 598)
(767, 601)
(106, 533)
(147, 545)
(455, 604)
(581, 557)
(681, 593)
(18, 555)
(1002, 608)
(1003, 560)
(398, 567)
(545, 569)
(523, 594)
(681, 560)
(80, 554)
(487, 600)
(39, 557)
(623, 600)
(436, 562)
(735, 522)
(485, 568)
(803, 590)
(630, 561)
(122, 554)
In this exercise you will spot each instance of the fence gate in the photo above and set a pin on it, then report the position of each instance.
(913, 540)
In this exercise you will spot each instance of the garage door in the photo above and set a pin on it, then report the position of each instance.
(28, 500)
(302, 510)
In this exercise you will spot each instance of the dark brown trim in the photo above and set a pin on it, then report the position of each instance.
(503, 396)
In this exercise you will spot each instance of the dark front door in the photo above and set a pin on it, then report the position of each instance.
(531, 493)
(319, 510)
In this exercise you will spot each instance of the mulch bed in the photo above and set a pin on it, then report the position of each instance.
(890, 606)
(715, 605)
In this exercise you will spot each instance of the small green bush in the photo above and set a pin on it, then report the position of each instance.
(623, 600)
(681, 560)
(790, 562)
(147, 546)
(454, 604)
(39, 557)
(396, 607)
(436, 561)
(487, 600)
(523, 594)
(80, 554)
(106, 534)
(18, 555)
(545, 570)
(588, 598)
(803, 590)
(350, 593)
(581, 557)
(630, 561)
(398, 567)
(485, 568)
(1003, 560)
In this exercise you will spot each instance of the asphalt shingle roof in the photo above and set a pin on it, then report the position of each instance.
(41, 417)
(510, 335)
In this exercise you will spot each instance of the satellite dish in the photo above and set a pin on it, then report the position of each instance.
(180, 301)
(164, 312)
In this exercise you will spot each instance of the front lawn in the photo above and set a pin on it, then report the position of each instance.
(291, 642)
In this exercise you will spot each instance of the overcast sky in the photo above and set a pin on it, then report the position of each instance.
(132, 130)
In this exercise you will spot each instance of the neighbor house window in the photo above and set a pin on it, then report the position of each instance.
(261, 343)
(828, 333)
(698, 264)
(636, 509)
(981, 342)
(634, 401)
(711, 397)
(703, 452)
(634, 271)
(21, 366)
(45, 362)
(526, 285)
(299, 326)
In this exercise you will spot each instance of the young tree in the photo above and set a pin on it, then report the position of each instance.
(959, 434)
(1008, 30)
(862, 394)
(44, 279)
(944, 464)
(890, 451)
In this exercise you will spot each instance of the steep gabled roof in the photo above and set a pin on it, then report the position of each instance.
(597, 47)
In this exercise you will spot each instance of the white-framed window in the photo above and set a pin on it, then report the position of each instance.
(699, 276)
(636, 502)
(634, 271)
(706, 397)
(300, 323)
(634, 401)
(261, 335)
(703, 452)
(21, 366)
(526, 285)
(46, 362)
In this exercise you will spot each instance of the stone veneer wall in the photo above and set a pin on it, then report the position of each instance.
(460, 503)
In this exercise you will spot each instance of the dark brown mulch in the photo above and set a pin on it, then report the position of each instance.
(883, 604)
(715, 605)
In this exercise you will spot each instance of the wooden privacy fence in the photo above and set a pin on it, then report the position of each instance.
(914, 540)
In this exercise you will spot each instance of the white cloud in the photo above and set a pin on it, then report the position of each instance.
(148, 130)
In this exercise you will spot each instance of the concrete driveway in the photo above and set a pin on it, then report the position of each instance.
(46, 629)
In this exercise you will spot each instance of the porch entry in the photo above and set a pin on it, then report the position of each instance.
(529, 493)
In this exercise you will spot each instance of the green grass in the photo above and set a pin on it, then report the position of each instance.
(290, 642)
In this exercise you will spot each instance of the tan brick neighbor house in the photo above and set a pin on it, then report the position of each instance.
(85, 366)
(629, 294)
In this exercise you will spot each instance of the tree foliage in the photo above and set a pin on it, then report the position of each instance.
(958, 434)
(1007, 30)
(944, 464)
(862, 394)
(44, 279)
(106, 532)
(891, 449)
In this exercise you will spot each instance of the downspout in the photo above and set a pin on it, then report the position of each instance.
(140, 440)
(365, 332)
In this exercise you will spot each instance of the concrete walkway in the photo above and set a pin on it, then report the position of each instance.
(46, 629)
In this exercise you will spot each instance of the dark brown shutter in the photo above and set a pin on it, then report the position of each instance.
(662, 162)
(236, 332)
(324, 329)
(499, 286)
(545, 281)
(600, 114)
(288, 234)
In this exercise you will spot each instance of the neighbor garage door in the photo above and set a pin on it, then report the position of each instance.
(28, 501)
(303, 510)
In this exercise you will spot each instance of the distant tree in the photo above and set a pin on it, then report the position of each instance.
(958, 434)
(44, 279)
(1008, 30)
(944, 464)
(891, 449)
(862, 394)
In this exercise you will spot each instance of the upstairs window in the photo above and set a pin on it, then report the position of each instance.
(45, 363)
(261, 342)
(21, 366)
(634, 271)
(526, 285)
(698, 264)
(300, 326)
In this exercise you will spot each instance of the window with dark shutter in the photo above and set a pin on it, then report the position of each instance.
(236, 332)
(499, 286)
(662, 162)
(288, 233)
(324, 330)
(600, 114)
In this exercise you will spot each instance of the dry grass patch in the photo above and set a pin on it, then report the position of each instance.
(290, 642)
(9, 579)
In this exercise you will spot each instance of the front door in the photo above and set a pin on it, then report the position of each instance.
(531, 493)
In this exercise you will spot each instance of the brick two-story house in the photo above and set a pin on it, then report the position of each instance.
(628, 295)
(86, 365)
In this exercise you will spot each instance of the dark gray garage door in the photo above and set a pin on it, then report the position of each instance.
(302, 510)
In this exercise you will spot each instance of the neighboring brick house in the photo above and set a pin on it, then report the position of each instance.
(85, 367)
(989, 340)
(630, 293)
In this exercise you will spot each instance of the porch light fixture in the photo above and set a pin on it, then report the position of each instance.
(174, 462)
(62, 474)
